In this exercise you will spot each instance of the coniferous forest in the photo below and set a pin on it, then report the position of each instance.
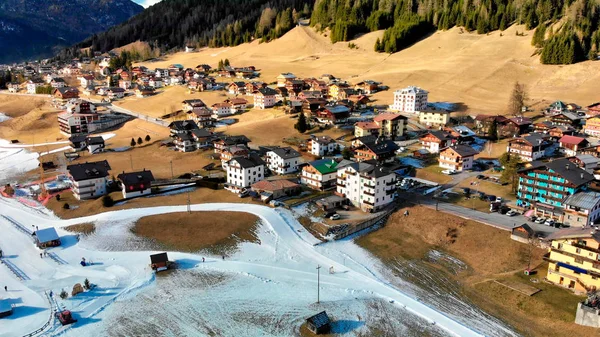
(565, 31)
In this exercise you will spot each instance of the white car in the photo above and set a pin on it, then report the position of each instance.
(335, 217)
(512, 212)
(448, 172)
(540, 220)
(498, 199)
(549, 222)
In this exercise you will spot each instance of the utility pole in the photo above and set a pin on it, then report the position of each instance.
(318, 283)
(189, 207)
(172, 175)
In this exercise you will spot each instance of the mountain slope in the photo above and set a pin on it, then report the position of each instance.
(37, 28)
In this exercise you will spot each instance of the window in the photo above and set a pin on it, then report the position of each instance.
(579, 260)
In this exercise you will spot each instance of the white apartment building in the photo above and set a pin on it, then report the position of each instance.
(264, 98)
(89, 180)
(411, 99)
(222, 109)
(367, 186)
(283, 160)
(321, 174)
(32, 85)
(321, 146)
(244, 171)
(457, 158)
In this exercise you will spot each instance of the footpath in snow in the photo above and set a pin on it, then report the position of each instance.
(280, 271)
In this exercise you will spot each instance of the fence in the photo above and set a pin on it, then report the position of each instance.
(343, 232)
(53, 310)
(15, 270)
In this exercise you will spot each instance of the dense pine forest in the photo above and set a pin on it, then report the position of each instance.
(215, 23)
(565, 31)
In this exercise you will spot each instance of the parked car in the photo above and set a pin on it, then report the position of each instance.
(540, 220)
(550, 222)
(491, 198)
(512, 212)
(495, 206)
(498, 199)
(532, 218)
(480, 176)
(335, 217)
(449, 172)
(504, 209)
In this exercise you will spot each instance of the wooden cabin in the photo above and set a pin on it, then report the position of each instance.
(159, 262)
(45, 238)
(319, 323)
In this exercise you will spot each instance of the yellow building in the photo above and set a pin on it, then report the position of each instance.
(574, 259)
(434, 117)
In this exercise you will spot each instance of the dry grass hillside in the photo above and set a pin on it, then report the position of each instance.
(477, 70)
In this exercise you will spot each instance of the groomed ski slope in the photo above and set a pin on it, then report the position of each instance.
(290, 254)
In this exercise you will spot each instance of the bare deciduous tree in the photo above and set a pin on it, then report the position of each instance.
(517, 100)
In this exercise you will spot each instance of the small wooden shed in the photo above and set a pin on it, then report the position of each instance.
(159, 262)
(47, 237)
(319, 323)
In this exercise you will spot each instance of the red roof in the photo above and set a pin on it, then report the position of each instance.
(367, 125)
(571, 140)
(273, 185)
(387, 117)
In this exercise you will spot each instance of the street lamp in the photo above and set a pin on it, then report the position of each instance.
(318, 282)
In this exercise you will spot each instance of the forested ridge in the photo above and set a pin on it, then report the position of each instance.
(565, 31)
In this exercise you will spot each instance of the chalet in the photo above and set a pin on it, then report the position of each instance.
(463, 134)
(570, 145)
(582, 209)
(345, 93)
(45, 238)
(434, 117)
(529, 147)
(435, 140)
(237, 103)
(484, 122)
(85, 80)
(125, 76)
(321, 86)
(89, 90)
(587, 162)
(566, 118)
(275, 189)
(319, 324)
(328, 78)
(222, 109)
(134, 184)
(159, 262)
(559, 131)
(33, 84)
(58, 82)
(202, 137)
(557, 108)
(14, 87)
(543, 127)
(231, 152)
(244, 72)
(322, 145)
(283, 78)
(523, 233)
(457, 158)
(142, 91)
(184, 142)
(125, 84)
(367, 87)
(242, 172)
(202, 117)
(294, 85)
(78, 142)
(95, 144)
(371, 148)
(311, 105)
(593, 110)
(592, 125)
(236, 88)
(222, 142)
(203, 68)
(335, 90)
(115, 92)
(66, 93)
(281, 93)
(332, 114)
(252, 87)
(227, 72)
(387, 125)
(179, 127)
(192, 104)
(156, 82)
(368, 185)
(264, 98)
(523, 124)
(88, 180)
(359, 101)
(283, 160)
(322, 174)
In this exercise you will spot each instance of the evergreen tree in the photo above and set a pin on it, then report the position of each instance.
(226, 63)
(147, 138)
(492, 132)
(220, 66)
(140, 141)
(132, 142)
(510, 163)
(301, 125)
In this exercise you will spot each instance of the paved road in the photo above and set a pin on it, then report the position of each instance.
(492, 219)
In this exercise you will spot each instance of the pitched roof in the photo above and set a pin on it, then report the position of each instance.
(570, 171)
(273, 185)
(93, 170)
(367, 125)
(388, 117)
(267, 91)
(46, 235)
(133, 178)
(381, 146)
(95, 140)
(521, 121)
(571, 140)
(158, 258)
(252, 160)
(464, 150)
(201, 133)
(587, 158)
(575, 233)
(441, 135)
(326, 166)
(584, 200)
(319, 320)
(183, 125)
(323, 140)
(534, 138)
(286, 152)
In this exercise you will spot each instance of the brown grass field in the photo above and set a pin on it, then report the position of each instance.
(84, 228)
(476, 70)
(217, 232)
(490, 254)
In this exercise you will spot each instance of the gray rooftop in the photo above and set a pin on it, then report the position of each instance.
(46, 235)
(583, 200)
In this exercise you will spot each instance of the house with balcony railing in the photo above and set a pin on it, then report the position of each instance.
(89, 180)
